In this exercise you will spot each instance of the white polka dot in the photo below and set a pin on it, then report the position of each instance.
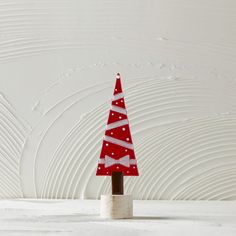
(123, 129)
(111, 133)
(115, 89)
(116, 103)
(117, 167)
(120, 117)
(107, 172)
(121, 100)
(99, 167)
(126, 150)
(133, 167)
(127, 139)
(112, 114)
(112, 153)
(107, 144)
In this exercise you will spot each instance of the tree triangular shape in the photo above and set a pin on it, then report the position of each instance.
(117, 154)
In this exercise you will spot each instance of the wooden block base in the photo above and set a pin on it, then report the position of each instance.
(116, 206)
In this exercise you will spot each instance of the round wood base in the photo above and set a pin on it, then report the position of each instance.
(116, 206)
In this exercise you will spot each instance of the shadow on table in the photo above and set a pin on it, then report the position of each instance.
(162, 218)
(151, 218)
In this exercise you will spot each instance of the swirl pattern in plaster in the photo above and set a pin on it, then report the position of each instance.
(181, 156)
(13, 134)
(178, 65)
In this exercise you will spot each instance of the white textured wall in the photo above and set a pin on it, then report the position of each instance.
(58, 60)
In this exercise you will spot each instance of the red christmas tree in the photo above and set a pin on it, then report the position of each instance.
(117, 154)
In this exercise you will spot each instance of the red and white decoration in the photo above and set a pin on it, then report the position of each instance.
(117, 154)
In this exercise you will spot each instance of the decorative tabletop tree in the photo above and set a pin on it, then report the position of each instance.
(117, 158)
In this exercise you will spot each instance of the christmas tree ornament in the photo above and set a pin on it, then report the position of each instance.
(117, 158)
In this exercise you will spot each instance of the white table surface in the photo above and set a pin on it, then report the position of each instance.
(81, 217)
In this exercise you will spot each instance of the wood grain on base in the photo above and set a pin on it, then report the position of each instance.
(116, 206)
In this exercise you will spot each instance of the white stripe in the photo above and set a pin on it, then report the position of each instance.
(101, 161)
(117, 124)
(117, 96)
(118, 109)
(118, 142)
(132, 162)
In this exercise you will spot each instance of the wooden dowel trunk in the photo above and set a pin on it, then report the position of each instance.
(117, 183)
